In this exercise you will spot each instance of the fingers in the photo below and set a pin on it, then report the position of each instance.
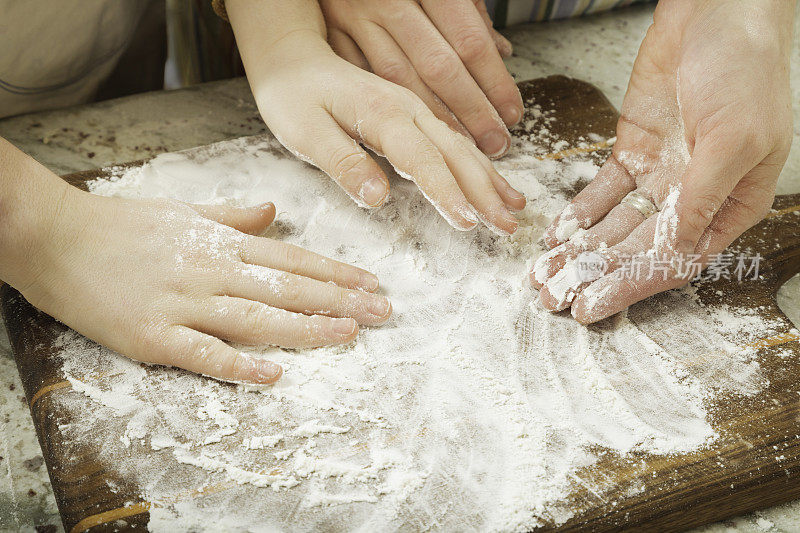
(253, 323)
(711, 175)
(612, 293)
(503, 45)
(289, 258)
(197, 352)
(590, 205)
(336, 153)
(619, 289)
(346, 48)
(389, 62)
(515, 201)
(299, 294)
(441, 68)
(611, 230)
(655, 273)
(757, 191)
(471, 176)
(252, 220)
(463, 27)
(416, 158)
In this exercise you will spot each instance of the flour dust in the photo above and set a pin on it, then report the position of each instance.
(471, 409)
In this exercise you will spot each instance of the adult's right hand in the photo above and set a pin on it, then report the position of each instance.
(445, 51)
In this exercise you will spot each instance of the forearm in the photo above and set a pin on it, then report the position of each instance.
(763, 24)
(31, 198)
(270, 33)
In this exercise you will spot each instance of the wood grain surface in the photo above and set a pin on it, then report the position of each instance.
(737, 474)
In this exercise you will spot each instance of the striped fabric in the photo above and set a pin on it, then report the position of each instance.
(508, 12)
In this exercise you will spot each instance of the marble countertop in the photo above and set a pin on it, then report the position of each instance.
(598, 49)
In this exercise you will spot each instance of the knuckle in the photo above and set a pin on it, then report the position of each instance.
(256, 318)
(442, 67)
(430, 154)
(704, 207)
(181, 285)
(471, 44)
(292, 256)
(384, 105)
(291, 295)
(288, 292)
(153, 337)
(762, 209)
(201, 352)
(339, 271)
(295, 259)
(393, 70)
(344, 160)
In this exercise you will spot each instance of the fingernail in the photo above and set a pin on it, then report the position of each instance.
(511, 115)
(493, 143)
(512, 221)
(373, 191)
(380, 307)
(369, 282)
(513, 193)
(267, 371)
(344, 326)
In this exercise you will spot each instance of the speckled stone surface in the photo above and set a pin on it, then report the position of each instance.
(598, 49)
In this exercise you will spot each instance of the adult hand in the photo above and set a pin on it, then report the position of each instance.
(321, 107)
(446, 52)
(705, 129)
(164, 282)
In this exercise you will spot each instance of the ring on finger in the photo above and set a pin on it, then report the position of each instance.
(641, 203)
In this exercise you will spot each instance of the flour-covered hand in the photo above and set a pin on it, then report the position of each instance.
(165, 282)
(445, 51)
(323, 109)
(705, 129)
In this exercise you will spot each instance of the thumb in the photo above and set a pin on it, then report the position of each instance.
(712, 173)
(252, 220)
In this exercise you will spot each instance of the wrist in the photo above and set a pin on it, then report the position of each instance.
(274, 37)
(34, 203)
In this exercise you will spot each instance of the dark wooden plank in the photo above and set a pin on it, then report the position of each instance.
(735, 475)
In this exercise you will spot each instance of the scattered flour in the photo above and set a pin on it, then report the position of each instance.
(472, 408)
(667, 221)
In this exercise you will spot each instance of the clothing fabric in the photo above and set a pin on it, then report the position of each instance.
(508, 12)
(56, 54)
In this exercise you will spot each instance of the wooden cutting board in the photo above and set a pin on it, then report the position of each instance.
(740, 472)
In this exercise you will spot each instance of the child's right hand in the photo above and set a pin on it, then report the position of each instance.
(164, 282)
(321, 107)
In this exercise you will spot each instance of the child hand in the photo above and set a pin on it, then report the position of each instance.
(321, 107)
(165, 282)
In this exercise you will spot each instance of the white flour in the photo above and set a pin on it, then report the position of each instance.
(472, 408)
